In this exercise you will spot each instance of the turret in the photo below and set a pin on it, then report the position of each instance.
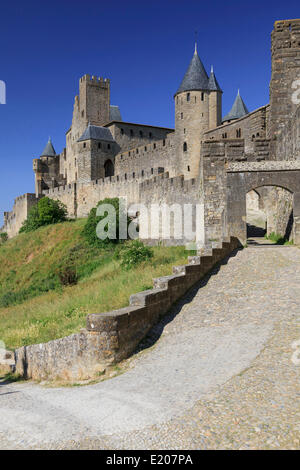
(238, 110)
(197, 109)
(48, 150)
(215, 101)
(46, 169)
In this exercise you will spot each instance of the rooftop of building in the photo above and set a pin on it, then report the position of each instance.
(48, 150)
(238, 110)
(196, 77)
(136, 124)
(96, 133)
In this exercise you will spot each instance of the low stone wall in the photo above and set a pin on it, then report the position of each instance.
(111, 337)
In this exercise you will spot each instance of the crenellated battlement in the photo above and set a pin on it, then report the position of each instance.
(103, 82)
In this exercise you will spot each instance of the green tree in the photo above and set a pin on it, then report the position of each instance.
(47, 211)
(3, 237)
(90, 228)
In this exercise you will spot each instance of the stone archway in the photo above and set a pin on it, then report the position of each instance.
(256, 218)
(242, 180)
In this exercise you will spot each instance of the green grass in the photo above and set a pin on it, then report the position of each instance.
(37, 308)
(278, 239)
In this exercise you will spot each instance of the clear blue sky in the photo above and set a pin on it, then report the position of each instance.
(143, 47)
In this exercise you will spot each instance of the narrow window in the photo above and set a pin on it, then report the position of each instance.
(131, 133)
(185, 147)
(122, 131)
(108, 146)
(142, 172)
(141, 133)
(133, 175)
(164, 142)
(154, 146)
(189, 168)
(99, 145)
(150, 135)
(181, 115)
(84, 145)
(137, 150)
(151, 171)
(145, 149)
(202, 96)
(184, 131)
(195, 99)
(125, 176)
(188, 96)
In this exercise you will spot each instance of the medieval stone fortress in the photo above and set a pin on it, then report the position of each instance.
(206, 159)
(205, 356)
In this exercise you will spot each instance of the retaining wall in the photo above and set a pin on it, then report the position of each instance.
(111, 337)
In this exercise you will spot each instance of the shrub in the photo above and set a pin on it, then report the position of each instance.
(134, 253)
(68, 276)
(3, 237)
(89, 231)
(45, 212)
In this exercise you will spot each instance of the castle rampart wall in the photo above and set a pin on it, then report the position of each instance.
(13, 220)
(252, 127)
(288, 140)
(129, 135)
(159, 153)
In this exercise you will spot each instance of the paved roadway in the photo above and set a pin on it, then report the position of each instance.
(219, 372)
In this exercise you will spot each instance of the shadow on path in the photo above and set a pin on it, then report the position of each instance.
(156, 331)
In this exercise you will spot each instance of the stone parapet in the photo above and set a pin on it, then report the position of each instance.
(112, 336)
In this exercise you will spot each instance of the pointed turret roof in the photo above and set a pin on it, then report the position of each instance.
(49, 150)
(195, 77)
(213, 82)
(238, 110)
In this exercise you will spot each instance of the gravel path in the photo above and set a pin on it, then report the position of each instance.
(216, 373)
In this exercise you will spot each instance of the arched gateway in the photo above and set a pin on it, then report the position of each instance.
(242, 178)
(226, 184)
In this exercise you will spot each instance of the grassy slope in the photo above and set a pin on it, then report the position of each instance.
(32, 260)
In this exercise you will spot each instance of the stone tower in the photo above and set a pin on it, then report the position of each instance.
(285, 75)
(198, 107)
(94, 99)
(46, 169)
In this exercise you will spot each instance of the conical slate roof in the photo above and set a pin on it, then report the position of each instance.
(213, 82)
(195, 77)
(49, 150)
(238, 110)
(114, 113)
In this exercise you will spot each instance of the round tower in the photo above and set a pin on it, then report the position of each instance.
(197, 109)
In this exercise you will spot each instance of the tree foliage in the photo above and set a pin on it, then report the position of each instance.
(47, 211)
(113, 226)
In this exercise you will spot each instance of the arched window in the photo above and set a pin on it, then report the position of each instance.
(109, 168)
(185, 147)
(188, 96)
